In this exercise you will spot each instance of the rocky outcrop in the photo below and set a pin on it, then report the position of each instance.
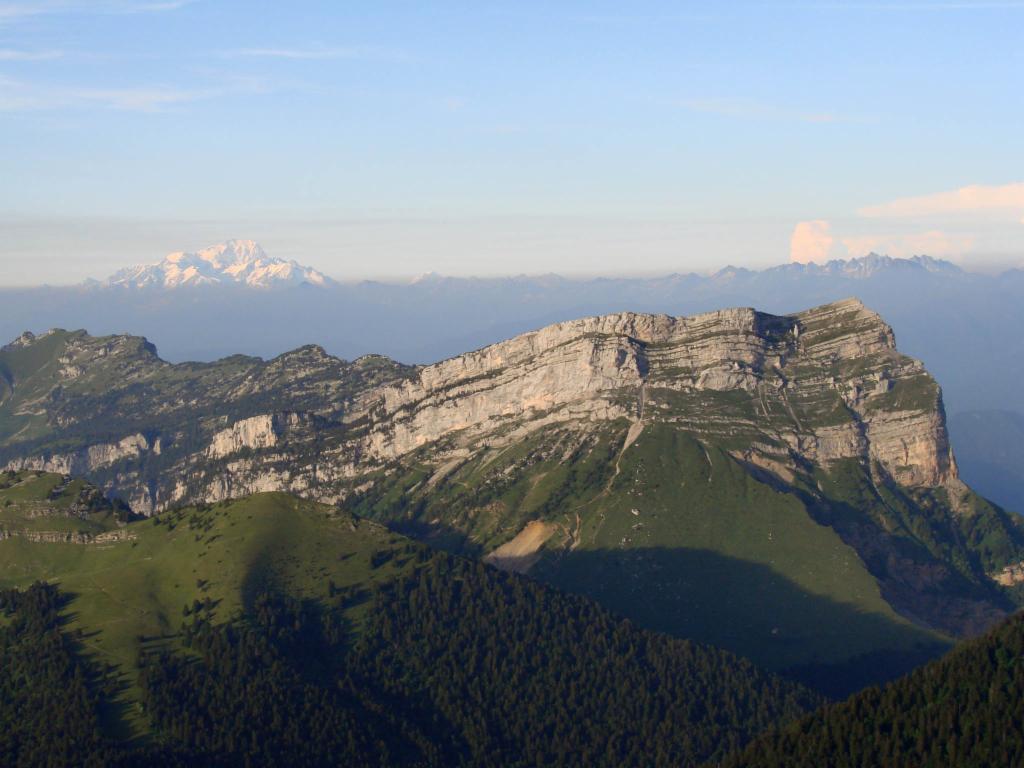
(817, 387)
(256, 433)
(90, 459)
(68, 537)
(1010, 576)
(827, 383)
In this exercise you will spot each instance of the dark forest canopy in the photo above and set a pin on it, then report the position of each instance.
(455, 664)
(966, 709)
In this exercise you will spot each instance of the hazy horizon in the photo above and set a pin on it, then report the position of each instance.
(393, 140)
(99, 261)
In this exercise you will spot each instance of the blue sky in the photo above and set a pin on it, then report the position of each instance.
(387, 138)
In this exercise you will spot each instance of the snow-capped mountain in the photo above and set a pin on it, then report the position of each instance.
(873, 264)
(235, 262)
(861, 268)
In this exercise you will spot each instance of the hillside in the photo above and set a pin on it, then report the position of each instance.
(962, 710)
(270, 628)
(661, 465)
(96, 402)
(42, 506)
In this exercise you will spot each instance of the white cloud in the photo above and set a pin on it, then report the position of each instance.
(153, 99)
(964, 5)
(933, 242)
(20, 96)
(816, 241)
(9, 54)
(750, 110)
(970, 199)
(171, 5)
(12, 12)
(976, 224)
(352, 52)
(812, 241)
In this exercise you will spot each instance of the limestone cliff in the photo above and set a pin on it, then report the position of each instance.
(820, 386)
(823, 385)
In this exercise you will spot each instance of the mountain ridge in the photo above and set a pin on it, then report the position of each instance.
(739, 363)
(242, 261)
(802, 451)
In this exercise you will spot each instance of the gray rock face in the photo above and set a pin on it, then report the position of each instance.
(820, 386)
(90, 458)
(826, 384)
(67, 537)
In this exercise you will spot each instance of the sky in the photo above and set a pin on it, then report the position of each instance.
(389, 139)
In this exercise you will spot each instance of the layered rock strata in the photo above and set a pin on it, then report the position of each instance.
(820, 386)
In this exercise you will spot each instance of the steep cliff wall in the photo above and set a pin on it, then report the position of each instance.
(820, 386)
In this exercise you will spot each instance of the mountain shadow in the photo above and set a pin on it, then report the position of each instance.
(962, 710)
(749, 609)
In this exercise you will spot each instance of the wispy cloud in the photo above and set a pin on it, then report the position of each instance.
(973, 198)
(748, 110)
(963, 5)
(18, 95)
(151, 99)
(959, 224)
(933, 242)
(316, 53)
(171, 5)
(817, 242)
(12, 12)
(21, 96)
(9, 54)
(15, 11)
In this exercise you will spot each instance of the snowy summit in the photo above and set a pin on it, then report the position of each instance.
(235, 262)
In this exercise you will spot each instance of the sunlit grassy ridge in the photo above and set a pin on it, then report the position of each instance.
(246, 611)
(131, 592)
(41, 502)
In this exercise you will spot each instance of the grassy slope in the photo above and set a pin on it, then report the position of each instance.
(713, 553)
(718, 556)
(21, 413)
(136, 589)
(39, 501)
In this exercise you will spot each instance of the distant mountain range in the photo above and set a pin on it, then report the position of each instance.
(245, 263)
(234, 298)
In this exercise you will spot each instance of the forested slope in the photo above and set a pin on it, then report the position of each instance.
(965, 709)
